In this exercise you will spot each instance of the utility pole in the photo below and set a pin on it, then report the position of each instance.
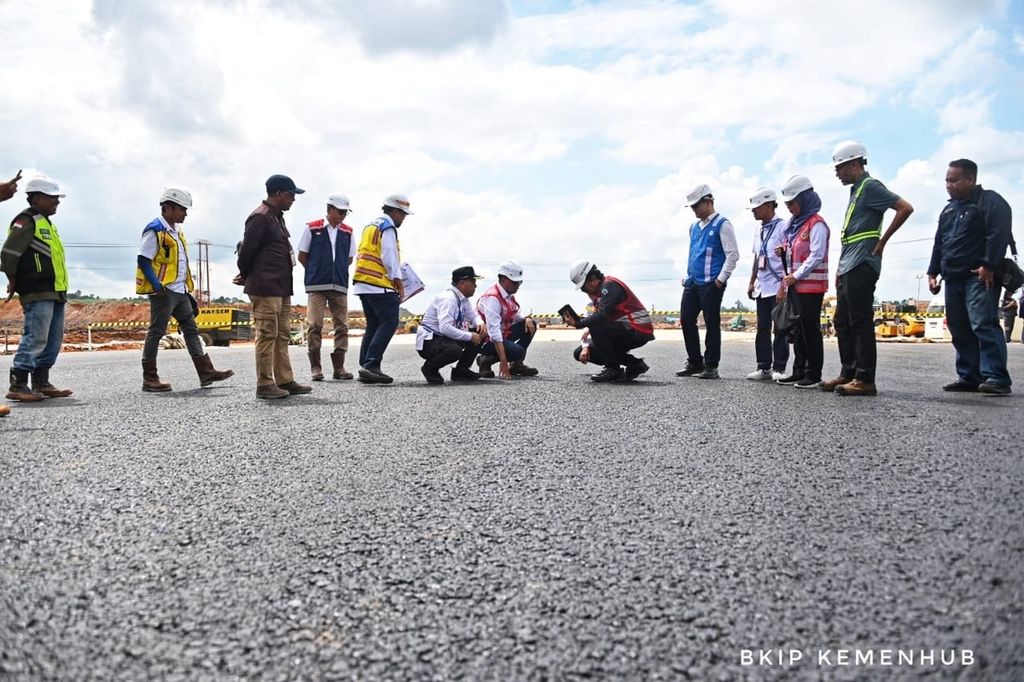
(203, 273)
(919, 278)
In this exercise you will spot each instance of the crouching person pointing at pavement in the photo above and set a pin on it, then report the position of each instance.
(163, 273)
(509, 333)
(450, 330)
(619, 324)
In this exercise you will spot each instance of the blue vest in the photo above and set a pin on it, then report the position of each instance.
(707, 256)
(324, 273)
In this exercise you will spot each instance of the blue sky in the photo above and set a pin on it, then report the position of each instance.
(541, 132)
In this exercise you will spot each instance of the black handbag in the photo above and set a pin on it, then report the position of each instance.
(1009, 274)
(786, 313)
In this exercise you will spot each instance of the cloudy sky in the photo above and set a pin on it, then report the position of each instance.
(539, 131)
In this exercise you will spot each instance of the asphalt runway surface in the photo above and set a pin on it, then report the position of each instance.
(543, 528)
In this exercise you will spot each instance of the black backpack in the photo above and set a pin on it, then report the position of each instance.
(1009, 274)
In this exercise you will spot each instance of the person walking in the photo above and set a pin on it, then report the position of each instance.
(509, 332)
(326, 249)
(450, 330)
(771, 349)
(265, 262)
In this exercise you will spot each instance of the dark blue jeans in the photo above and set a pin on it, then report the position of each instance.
(707, 299)
(972, 315)
(772, 351)
(381, 311)
(515, 345)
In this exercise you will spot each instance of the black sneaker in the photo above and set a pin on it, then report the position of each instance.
(634, 369)
(991, 388)
(961, 386)
(790, 380)
(608, 374)
(464, 375)
(691, 369)
(432, 375)
(708, 373)
(371, 376)
(807, 382)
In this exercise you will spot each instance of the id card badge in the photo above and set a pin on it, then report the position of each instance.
(762, 263)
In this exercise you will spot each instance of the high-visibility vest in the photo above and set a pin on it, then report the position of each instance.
(707, 255)
(816, 281)
(509, 308)
(629, 311)
(45, 269)
(165, 262)
(369, 261)
(866, 234)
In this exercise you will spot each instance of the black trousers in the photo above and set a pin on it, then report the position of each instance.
(808, 348)
(442, 350)
(855, 322)
(706, 299)
(610, 343)
(772, 351)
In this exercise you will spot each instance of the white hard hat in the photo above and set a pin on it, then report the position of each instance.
(579, 271)
(43, 185)
(848, 151)
(697, 193)
(181, 197)
(762, 196)
(513, 271)
(795, 185)
(399, 201)
(339, 201)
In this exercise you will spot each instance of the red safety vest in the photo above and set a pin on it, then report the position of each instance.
(816, 281)
(629, 311)
(509, 308)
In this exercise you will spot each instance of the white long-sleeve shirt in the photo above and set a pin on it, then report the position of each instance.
(448, 315)
(727, 233)
(492, 315)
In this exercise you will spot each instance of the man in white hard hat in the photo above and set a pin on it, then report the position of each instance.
(265, 263)
(509, 332)
(378, 283)
(619, 324)
(713, 257)
(772, 352)
(450, 330)
(860, 264)
(33, 260)
(163, 274)
(326, 249)
(7, 190)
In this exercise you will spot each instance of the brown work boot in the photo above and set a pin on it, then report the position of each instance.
(857, 387)
(295, 388)
(151, 380)
(316, 371)
(519, 369)
(41, 384)
(271, 392)
(19, 389)
(207, 373)
(830, 385)
(484, 362)
(338, 361)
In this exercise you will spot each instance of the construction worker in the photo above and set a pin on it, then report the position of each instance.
(265, 262)
(619, 323)
(508, 333)
(326, 249)
(860, 264)
(970, 244)
(713, 256)
(7, 190)
(33, 260)
(772, 351)
(163, 274)
(378, 283)
(450, 330)
(806, 250)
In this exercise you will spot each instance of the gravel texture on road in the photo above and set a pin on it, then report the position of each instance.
(543, 528)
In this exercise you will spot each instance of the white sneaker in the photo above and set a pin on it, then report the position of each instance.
(778, 375)
(760, 375)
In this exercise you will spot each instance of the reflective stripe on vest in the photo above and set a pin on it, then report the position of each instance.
(629, 311)
(509, 308)
(816, 281)
(46, 243)
(165, 261)
(707, 255)
(369, 259)
(860, 236)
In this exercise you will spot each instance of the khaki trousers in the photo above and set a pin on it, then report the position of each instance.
(319, 301)
(272, 315)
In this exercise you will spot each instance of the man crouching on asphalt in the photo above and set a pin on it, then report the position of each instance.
(164, 275)
(509, 333)
(444, 335)
(619, 324)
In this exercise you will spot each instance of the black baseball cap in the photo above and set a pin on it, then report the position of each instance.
(282, 183)
(465, 272)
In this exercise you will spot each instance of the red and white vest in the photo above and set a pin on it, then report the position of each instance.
(629, 311)
(509, 308)
(816, 281)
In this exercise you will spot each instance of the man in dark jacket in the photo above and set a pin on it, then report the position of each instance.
(265, 262)
(970, 243)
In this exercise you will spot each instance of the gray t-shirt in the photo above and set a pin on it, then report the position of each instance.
(874, 200)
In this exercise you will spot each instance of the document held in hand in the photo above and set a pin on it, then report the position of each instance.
(411, 281)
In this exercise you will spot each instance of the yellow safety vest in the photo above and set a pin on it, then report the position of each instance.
(866, 234)
(369, 262)
(165, 262)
